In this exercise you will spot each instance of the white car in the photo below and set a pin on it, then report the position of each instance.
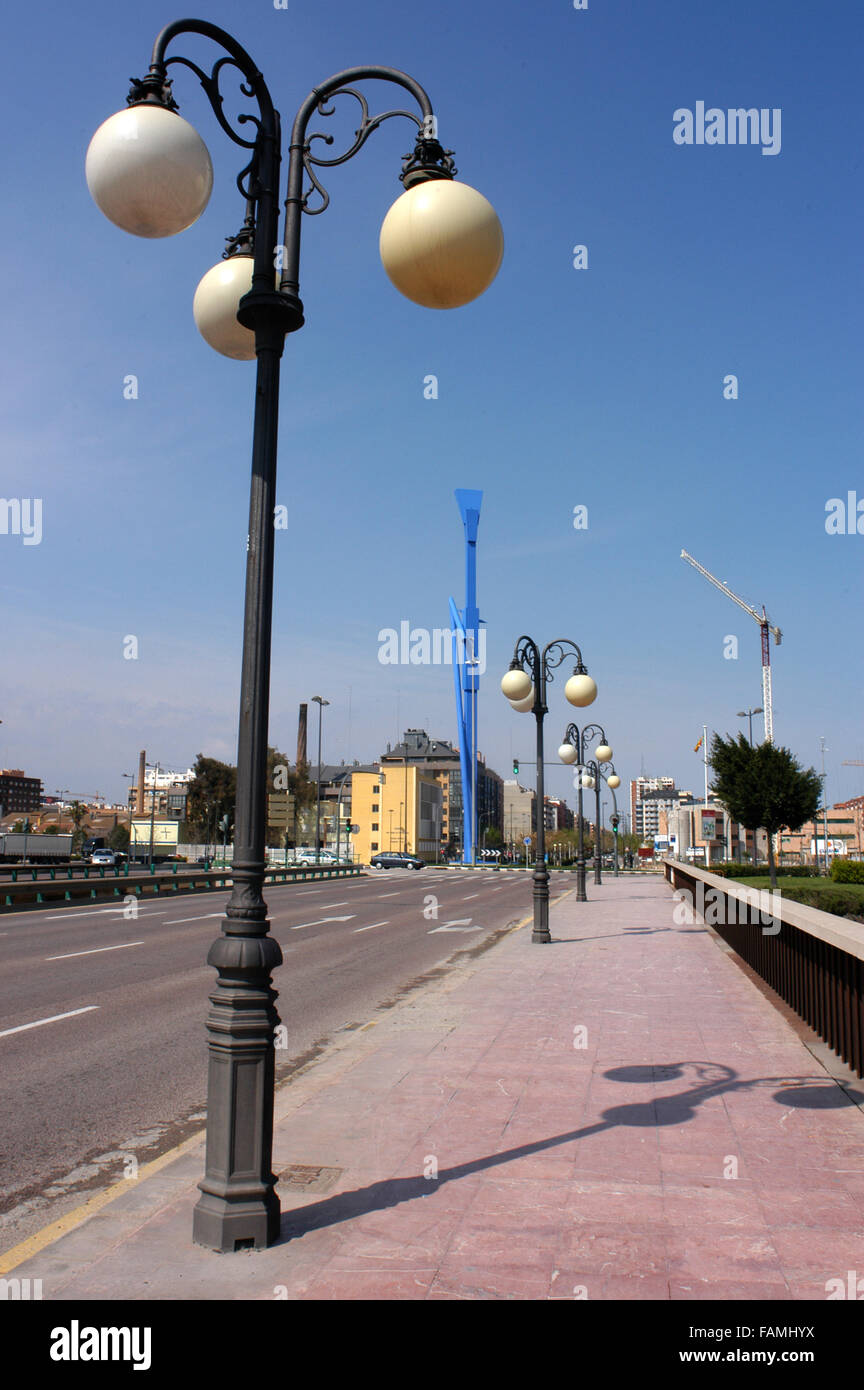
(308, 857)
(105, 857)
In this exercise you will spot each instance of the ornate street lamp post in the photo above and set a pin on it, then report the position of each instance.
(574, 751)
(612, 780)
(525, 687)
(441, 245)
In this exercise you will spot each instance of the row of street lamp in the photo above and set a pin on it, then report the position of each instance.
(524, 685)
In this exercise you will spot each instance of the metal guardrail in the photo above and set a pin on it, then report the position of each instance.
(813, 960)
(117, 884)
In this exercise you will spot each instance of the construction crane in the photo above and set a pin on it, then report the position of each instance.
(765, 627)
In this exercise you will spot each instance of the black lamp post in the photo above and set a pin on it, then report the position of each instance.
(612, 780)
(150, 173)
(592, 770)
(574, 751)
(525, 687)
(317, 700)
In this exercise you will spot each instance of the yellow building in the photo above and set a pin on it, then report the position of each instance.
(397, 808)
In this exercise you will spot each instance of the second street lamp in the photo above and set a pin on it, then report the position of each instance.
(441, 245)
(530, 672)
(573, 751)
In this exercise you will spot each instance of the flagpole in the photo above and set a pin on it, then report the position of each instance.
(705, 758)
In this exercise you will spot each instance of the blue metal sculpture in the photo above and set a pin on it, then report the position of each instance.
(465, 628)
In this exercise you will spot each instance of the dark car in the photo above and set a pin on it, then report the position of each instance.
(391, 860)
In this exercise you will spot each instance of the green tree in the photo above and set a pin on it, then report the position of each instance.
(119, 838)
(212, 794)
(764, 787)
(77, 813)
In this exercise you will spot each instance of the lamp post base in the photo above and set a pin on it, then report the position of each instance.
(540, 933)
(239, 1208)
(581, 895)
(226, 1224)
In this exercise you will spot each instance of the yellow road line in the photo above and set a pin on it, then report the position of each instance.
(64, 1224)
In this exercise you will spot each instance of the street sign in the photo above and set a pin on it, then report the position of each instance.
(280, 806)
(527, 840)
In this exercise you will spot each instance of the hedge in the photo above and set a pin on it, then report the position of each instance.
(736, 870)
(847, 870)
(838, 901)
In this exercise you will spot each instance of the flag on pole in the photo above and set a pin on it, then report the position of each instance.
(699, 744)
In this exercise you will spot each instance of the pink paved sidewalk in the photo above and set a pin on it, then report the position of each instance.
(621, 1114)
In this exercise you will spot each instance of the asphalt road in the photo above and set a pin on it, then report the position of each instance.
(103, 1057)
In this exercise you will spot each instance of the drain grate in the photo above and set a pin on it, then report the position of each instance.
(306, 1177)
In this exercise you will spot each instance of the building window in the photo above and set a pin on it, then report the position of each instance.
(374, 805)
(374, 844)
(374, 825)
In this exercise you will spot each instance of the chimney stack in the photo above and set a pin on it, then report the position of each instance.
(301, 736)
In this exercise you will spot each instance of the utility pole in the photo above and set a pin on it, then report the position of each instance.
(824, 804)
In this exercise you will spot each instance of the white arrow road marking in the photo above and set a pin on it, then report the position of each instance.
(371, 925)
(324, 920)
(202, 917)
(124, 947)
(73, 914)
(458, 924)
(55, 1018)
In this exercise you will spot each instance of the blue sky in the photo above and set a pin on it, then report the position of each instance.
(559, 387)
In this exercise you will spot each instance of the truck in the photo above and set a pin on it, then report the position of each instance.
(16, 847)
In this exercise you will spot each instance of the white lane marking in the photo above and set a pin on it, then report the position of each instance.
(326, 905)
(461, 924)
(96, 950)
(371, 925)
(202, 917)
(73, 915)
(388, 895)
(304, 892)
(324, 920)
(471, 895)
(55, 1018)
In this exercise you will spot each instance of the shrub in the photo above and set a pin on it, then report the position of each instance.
(847, 870)
(838, 901)
(736, 870)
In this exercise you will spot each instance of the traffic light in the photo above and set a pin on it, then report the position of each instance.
(515, 767)
(615, 819)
